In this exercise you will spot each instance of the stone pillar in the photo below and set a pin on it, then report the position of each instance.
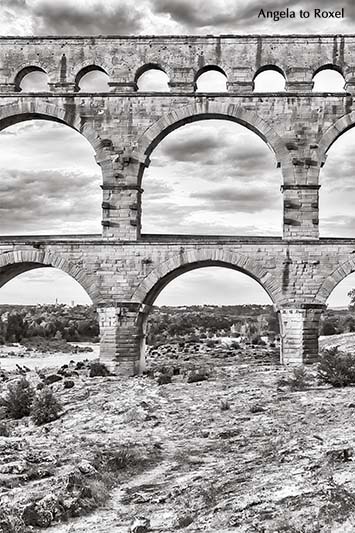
(299, 333)
(122, 86)
(121, 218)
(301, 211)
(121, 202)
(299, 79)
(62, 87)
(182, 80)
(7, 88)
(240, 80)
(121, 337)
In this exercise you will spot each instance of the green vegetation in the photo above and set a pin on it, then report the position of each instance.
(203, 321)
(45, 407)
(21, 400)
(18, 400)
(57, 322)
(336, 368)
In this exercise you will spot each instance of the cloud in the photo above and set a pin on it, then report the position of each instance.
(90, 17)
(216, 148)
(244, 199)
(194, 144)
(220, 16)
(126, 17)
(50, 201)
(75, 17)
(208, 13)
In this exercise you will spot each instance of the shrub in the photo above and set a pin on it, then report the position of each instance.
(45, 407)
(18, 400)
(115, 460)
(98, 369)
(336, 368)
(299, 379)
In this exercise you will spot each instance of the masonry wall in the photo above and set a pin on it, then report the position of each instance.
(122, 269)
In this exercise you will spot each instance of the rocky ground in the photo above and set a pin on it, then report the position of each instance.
(344, 341)
(225, 446)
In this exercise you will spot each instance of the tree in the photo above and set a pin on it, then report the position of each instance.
(328, 328)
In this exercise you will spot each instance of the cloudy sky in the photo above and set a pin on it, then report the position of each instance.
(212, 177)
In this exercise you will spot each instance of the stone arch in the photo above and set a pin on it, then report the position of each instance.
(17, 262)
(329, 67)
(24, 71)
(334, 131)
(209, 68)
(332, 280)
(90, 67)
(269, 68)
(148, 67)
(159, 277)
(205, 109)
(40, 109)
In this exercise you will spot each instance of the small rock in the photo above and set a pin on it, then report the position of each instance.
(342, 455)
(184, 521)
(86, 468)
(68, 384)
(52, 378)
(140, 525)
(40, 513)
(257, 408)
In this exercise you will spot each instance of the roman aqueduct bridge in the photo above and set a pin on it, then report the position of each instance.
(124, 270)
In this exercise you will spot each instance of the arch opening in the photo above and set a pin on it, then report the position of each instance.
(32, 79)
(93, 79)
(337, 325)
(209, 303)
(337, 191)
(269, 79)
(211, 79)
(151, 78)
(212, 177)
(50, 163)
(328, 79)
(32, 283)
(44, 309)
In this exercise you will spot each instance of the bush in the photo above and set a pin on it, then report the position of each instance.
(45, 407)
(115, 460)
(299, 379)
(336, 368)
(98, 369)
(18, 400)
